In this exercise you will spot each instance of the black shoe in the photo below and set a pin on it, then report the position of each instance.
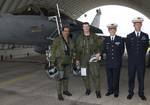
(67, 93)
(116, 95)
(108, 93)
(129, 97)
(98, 94)
(88, 92)
(148, 66)
(142, 97)
(60, 97)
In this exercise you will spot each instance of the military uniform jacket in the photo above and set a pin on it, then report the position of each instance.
(59, 51)
(137, 47)
(114, 51)
(86, 46)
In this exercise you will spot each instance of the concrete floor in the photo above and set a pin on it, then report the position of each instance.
(26, 83)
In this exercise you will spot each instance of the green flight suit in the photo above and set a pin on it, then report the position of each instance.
(85, 47)
(63, 61)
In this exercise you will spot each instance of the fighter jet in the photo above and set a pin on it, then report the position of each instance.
(96, 20)
(30, 25)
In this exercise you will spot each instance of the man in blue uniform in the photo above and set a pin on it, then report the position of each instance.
(137, 45)
(113, 47)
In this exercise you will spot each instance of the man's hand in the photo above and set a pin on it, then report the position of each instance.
(98, 57)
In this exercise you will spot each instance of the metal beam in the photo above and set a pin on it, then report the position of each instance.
(1, 3)
(14, 5)
(22, 3)
(30, 1)
(6, 6)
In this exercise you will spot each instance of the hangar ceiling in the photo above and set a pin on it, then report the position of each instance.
(75, 8)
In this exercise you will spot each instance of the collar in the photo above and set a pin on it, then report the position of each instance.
(113, 36)
(137, 32)
(87, 34)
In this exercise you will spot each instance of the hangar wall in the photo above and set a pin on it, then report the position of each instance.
(18, 52)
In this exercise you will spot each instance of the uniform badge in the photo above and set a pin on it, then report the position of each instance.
(143, 38)
(117, 43)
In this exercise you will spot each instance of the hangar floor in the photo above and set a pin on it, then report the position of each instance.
(26, 83)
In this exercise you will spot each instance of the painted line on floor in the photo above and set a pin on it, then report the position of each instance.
(17, 79)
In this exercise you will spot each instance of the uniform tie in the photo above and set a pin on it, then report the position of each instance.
(112, 38)
(138, 35)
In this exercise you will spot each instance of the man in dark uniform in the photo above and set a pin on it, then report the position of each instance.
(137, 44)
(113, 46)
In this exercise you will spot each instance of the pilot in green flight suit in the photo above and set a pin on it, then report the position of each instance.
(62, 55)
(88, 44)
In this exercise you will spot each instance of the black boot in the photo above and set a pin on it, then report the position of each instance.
(143, 97)
(108, 93)
(116, 95)
(60, 97)
(129, 97)
(67, 93)
(88, 92)
(98, 94)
